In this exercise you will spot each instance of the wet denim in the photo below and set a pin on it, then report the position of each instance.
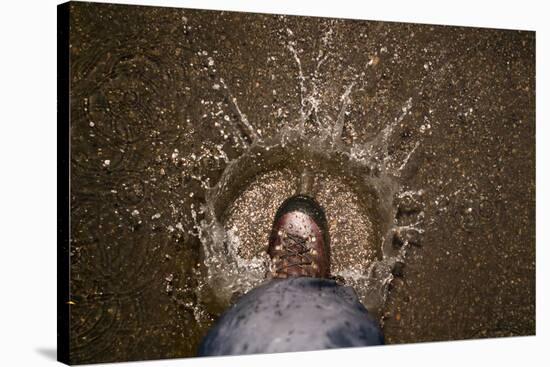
(294, 314)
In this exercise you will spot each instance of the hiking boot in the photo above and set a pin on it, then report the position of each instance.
(299, 241)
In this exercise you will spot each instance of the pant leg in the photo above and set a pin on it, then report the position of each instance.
(294, 314)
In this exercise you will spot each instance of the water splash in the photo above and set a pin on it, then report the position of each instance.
(252, 133)
(393, 216)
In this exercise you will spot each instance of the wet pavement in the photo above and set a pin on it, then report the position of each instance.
(418, 140)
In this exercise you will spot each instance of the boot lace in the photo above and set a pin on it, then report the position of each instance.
(295, 252)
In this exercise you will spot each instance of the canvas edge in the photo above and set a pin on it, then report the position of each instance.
(63, 184)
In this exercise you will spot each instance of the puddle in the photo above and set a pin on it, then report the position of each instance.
(185, 141)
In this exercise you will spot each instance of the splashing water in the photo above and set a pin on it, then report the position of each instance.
(373, 222)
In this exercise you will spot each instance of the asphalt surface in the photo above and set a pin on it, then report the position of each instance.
(147, 85)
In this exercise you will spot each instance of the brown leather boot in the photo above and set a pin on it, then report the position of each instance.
(299, 245)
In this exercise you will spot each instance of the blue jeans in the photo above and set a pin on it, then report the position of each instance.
(294, 314)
